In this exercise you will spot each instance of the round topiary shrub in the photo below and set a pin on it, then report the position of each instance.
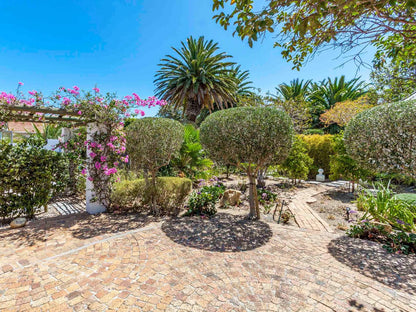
(151, 144)
(251, 138)
(383, 138)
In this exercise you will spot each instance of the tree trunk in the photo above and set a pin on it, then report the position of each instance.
(253, 200)
(260, 178)
(192, 110)
(154, 209)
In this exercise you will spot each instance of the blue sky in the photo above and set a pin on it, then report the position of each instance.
(117, 45)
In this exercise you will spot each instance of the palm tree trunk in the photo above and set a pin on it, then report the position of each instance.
(192, 110)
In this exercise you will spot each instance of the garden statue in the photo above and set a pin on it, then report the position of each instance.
(320, 177)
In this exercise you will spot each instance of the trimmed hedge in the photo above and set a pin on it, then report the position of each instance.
(320, 149)
(170, 194)
(383, 138)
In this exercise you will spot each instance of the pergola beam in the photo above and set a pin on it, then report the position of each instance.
(42, 110)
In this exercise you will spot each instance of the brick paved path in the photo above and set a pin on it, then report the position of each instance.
(305, 216)
(128, 263)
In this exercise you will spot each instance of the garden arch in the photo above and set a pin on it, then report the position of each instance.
(69, 119)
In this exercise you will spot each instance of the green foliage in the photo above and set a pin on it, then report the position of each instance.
(394, 81)
(320, 149)
(394, 242)
(30, 177)
(191, 159)
(306, 27)
(342, 165)
(266, 198)
(384, 207)
(197, 77)
(382, 138)
(203, 202)
(170, 196)
(49, 131)
(313, 131)
(248, 137)
(295, 89)
(297, 164)
(152, 142)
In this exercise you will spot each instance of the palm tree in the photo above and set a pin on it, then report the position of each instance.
(329, 92)
(197, 77)
(295, 89)
(244, 87)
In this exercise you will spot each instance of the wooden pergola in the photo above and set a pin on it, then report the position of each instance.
(49, 115)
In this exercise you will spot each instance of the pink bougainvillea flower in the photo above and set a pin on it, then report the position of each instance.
(32, 92)
(92, 155)
(21, 83)
(75, 88)
(79, 113)
(84, 171)
(90, 179)
(110, 171)
(103, 158)
(96, 89)
(97, 165)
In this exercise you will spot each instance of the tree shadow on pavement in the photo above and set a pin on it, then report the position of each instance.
(371, 260)
(222, 232)
(80, 225)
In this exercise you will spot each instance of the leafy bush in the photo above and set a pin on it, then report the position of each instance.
(393, 242)
(203, 202)
(248, 137)
(170, 194)
(342, 165)
(382, 138)
(297, 164)
(151, 144)
(30, 177)
(320, 149)
(266, 198)
(409, 198)
(385, 207)
(191, 159)
(313, 131)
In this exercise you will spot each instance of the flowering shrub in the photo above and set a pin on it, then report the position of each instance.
(383, 138)
(266, 198)
(251, 138)
(106, 147)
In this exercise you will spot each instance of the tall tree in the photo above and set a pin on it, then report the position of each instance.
(196, 78)
(305, 27)
(294, 90)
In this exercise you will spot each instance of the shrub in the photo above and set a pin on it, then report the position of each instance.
(203, 202)
(383, 138)
(409, 198)
(151, 144)
(343, 166)
(313, 131)
(297, 164)
(248, 137)
(30, 177)
(170, 194)
(320, 149)
(385, 207)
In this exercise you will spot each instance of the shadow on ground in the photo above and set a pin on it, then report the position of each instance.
(371, 260)
(221, 233)
(80, 226)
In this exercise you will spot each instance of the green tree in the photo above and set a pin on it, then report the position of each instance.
(197, 77)
(343, 166)
(327, 93)
(394, 81)
(251, 138)
(191, 158)
(151, 144)
(297, 164)
(306, 27)
(294, 90)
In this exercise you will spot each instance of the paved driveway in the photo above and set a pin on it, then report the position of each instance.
(133, 263)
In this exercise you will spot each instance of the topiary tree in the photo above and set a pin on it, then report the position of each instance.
(250, 138)
(383, 138)
(297, 164)
(151, 144)
(320, 149)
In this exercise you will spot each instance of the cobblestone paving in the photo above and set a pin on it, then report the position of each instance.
(305, 216)
(222, 264)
